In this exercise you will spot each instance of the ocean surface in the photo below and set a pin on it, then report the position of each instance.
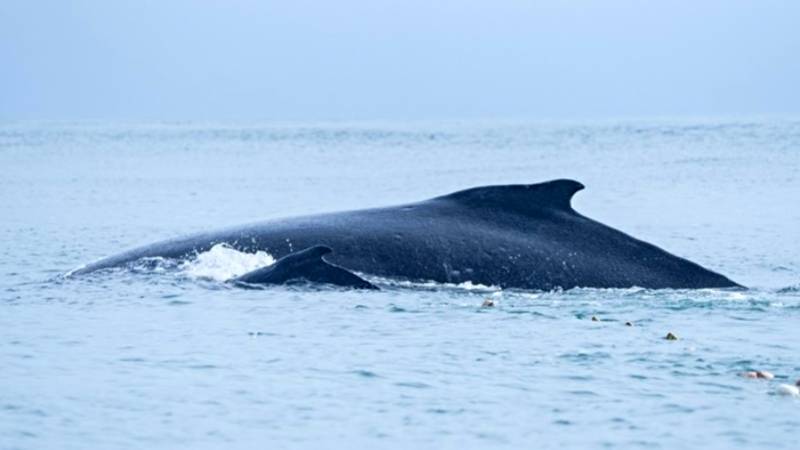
(168, 356)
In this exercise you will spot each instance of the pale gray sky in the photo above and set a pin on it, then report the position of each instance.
(409, 59)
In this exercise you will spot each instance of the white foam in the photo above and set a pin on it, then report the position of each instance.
(221, 263)
(465, 286)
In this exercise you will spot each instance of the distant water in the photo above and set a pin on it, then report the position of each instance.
(167, 356)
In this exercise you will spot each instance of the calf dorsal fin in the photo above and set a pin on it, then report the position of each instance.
(307, 265)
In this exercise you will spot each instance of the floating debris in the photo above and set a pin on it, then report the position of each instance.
(788, 389)
(259, 333)
(671, 337)
(763, 374)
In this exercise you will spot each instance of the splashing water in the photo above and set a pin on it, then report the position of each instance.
(222, 263)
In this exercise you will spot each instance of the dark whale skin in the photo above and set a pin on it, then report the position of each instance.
(510, 236)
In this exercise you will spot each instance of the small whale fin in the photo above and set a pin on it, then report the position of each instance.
(524, 198)
(307, 265)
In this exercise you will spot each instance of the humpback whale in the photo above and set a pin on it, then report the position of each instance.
(524, 236)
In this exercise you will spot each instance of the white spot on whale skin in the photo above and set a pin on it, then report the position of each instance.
(221, 263)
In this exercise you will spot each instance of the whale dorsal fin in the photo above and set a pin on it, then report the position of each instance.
(523, 198)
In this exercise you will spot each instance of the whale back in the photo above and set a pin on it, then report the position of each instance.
(522, 236)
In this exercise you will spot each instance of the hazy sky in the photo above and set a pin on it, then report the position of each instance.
(379, 59)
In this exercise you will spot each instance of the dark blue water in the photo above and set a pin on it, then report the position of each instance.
(168, 356)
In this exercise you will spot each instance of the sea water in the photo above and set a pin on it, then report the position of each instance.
(166, 355)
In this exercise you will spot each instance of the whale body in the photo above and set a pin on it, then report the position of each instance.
(524, 236)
